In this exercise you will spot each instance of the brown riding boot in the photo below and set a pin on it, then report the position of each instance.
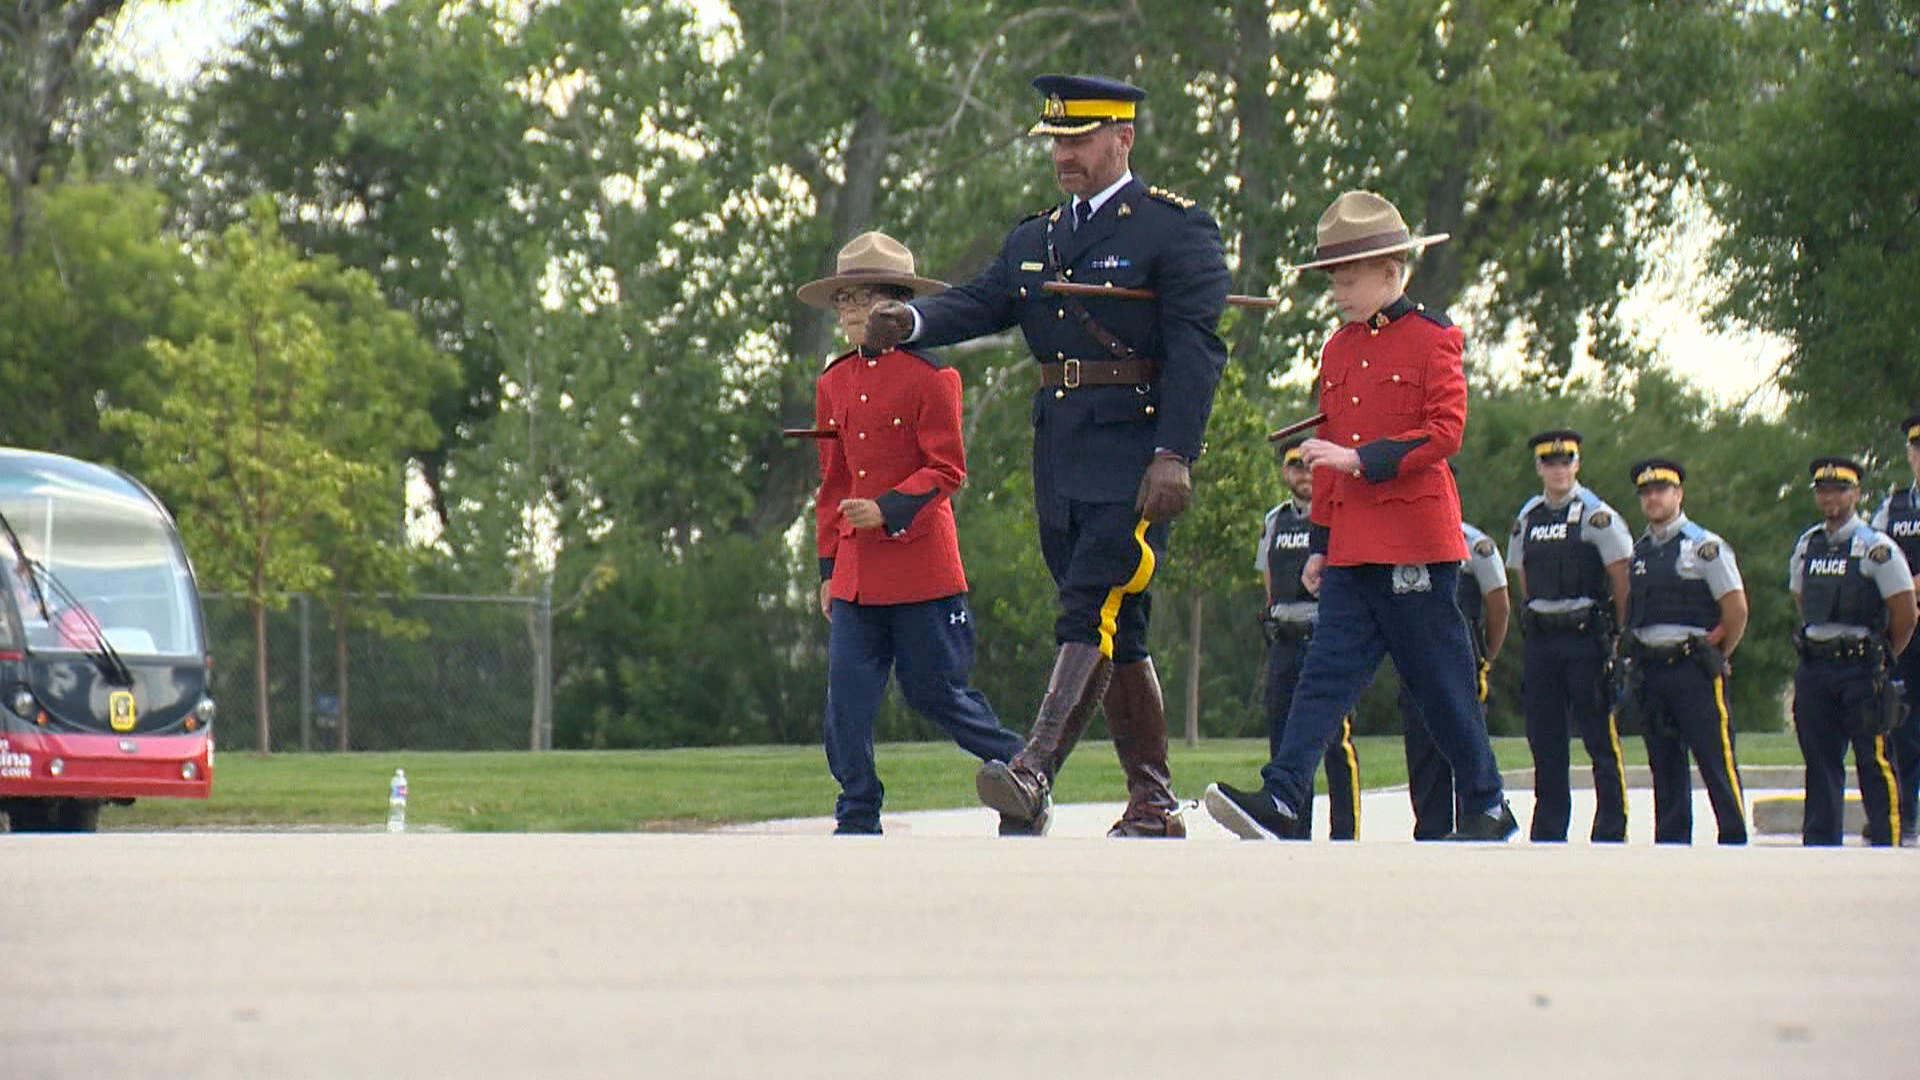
(1138, 719)
(1022, 788)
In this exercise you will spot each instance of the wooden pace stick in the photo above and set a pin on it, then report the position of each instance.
(809, 433)
(1115, 292)
(1294, 429)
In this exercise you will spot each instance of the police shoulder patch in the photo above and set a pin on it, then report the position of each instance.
(1483, 547)
(1881, 553)
(1708, 550)
(1600, 519)
(1166, 196)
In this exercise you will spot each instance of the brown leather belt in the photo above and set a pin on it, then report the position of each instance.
(1075, 373)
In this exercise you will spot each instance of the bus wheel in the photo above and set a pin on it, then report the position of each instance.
(30, 815)
(76, 815)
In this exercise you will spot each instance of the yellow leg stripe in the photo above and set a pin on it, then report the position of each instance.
(1893, 787)
(1726, 737)
(1142, 573)
(1353, 770)
(1619, 761)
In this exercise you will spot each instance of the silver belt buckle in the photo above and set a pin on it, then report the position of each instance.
(1070, 374)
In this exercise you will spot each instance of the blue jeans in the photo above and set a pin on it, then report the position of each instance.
(1363, 619)
(929, 646)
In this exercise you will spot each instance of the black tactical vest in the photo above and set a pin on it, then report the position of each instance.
(1903, 524)
(1287, 555)
(1834, 589)
(1658, 594)
(1560, 565)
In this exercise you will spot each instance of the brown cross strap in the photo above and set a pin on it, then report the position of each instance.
(1075, 373)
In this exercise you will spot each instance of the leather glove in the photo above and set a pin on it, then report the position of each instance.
(888, 324)
(1165, 490)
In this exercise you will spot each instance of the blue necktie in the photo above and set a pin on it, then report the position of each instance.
(1082, 211)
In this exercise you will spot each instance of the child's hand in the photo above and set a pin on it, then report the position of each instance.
(862, 513)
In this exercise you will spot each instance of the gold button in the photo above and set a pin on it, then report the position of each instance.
(862, 472)
(863, 434)
(1373, 331)
(1023, 292)
(1069, 273)
(872, 363)
(863, 397)
(1059, 356)
(1363, 363)
(896, 421)
(1149, 410)
(833, 423)
(1060, 313)
(1107, 284)
(1356, 401)
(1396, 378)
(1356, 436)
(1059, 394)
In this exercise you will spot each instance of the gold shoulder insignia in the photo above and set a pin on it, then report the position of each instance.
(1881, 553)
(1040, 213)
(1483, 547)
(1600, 519)
(1166, 196)
(1708, 551)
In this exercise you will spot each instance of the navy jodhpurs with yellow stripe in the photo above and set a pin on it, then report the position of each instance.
(1824, 693)
(1102, 556)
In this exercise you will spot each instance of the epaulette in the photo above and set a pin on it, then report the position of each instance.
(929, 359)
(1040, 213)
(1166, 196)
(831, 361)
(1438, 318)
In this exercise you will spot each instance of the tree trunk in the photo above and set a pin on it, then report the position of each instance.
(342, 742)
(264, 737)
(1199, 604)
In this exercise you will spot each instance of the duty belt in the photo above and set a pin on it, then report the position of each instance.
(1572, 622)
(1077, 373)
(1671, 653)
(1842, 648)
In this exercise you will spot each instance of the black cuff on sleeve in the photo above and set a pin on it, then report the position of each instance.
(1317, 537)
(826, 569)
(897, 511)
(1380, 459)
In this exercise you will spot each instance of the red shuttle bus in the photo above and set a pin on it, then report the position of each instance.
(103, 658)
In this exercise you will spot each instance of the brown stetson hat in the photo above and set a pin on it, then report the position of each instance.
(872, 258)
(1360, 225)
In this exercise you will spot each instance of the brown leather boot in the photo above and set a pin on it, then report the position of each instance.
(1138, 719)
(1022, 788)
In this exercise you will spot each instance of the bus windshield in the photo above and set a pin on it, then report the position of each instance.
(114, 553)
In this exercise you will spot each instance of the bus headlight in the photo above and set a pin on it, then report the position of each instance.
(56, 767)
(188, 770)
(204, 711)
(22, 703)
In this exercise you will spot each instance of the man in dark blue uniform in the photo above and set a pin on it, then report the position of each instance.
(1287, 622)
(1125, 390)
(1686, 613)
(1570, 550)
(1855, 597)
(1899, 518)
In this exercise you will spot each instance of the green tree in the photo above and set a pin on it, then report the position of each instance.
(244, 444)
(42, 44)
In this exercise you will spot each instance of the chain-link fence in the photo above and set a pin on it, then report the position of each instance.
(441, 673)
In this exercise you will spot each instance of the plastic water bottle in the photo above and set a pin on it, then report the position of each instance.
(397, 802)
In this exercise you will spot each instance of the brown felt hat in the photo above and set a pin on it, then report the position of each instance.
(872, 258)
(1361, 225)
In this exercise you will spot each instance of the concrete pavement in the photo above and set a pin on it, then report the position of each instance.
(328, 955)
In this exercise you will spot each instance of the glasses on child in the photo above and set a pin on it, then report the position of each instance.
(859, 297)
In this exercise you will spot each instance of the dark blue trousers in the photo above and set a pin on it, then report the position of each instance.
(1906, 737)
(1285, 657)
(1429, 777)
(1697, 704)
(1102, 556)
(1363, 619)
(929, 646)
(1824, 693)
(1564, 687)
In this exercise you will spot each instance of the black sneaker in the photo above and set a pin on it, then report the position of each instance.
(849, 829)
(1250, 815)
(1487, 828)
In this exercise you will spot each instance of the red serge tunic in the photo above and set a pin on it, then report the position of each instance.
(898, 418)
(1392, 388)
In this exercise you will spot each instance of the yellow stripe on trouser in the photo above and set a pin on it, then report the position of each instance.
(1142, 573)
(1893, 787)
(1353, 770)
(1619, 762)
(1726, 737)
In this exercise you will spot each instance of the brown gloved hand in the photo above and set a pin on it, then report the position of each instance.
(888, 324)
(1166, 489)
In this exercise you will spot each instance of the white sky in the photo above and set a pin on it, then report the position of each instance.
(172, 41)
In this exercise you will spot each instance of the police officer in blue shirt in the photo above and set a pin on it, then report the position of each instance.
(1855, 597)
(1899, 518)
(1288, 621)
(1126, 386)
(1686, 613)
(1570, 551)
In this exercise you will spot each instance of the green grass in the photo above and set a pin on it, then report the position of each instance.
(599, 791)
